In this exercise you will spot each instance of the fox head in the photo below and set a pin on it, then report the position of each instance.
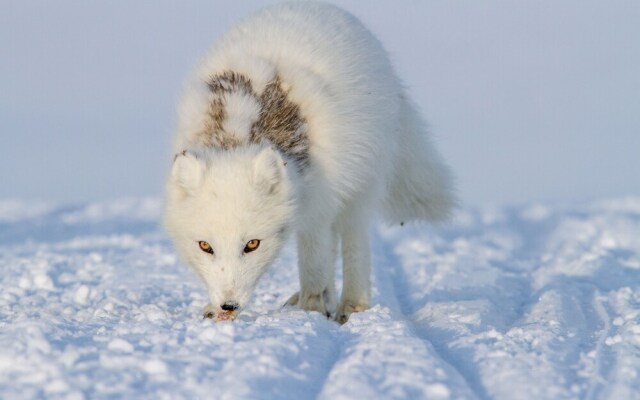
(229, 212)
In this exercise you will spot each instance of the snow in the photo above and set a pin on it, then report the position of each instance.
(530, 302)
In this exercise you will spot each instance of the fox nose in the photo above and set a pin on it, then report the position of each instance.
(229, 306)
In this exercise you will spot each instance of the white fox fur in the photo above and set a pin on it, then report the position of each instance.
(359, 149)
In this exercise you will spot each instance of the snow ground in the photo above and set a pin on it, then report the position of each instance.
(533, 302)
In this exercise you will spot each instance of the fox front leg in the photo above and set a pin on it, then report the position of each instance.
(317, 250)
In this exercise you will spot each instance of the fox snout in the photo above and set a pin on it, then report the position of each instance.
(229, 299)
(229, 306)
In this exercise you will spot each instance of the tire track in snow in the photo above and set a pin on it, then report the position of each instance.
(369, 347)
(466, 323)
(598, 376)
(550, 346)
(383, 342)
(400, 288)
(590, 260)
(319, 342)
(459, 300)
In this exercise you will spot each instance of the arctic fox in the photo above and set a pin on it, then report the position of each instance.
(296, 122)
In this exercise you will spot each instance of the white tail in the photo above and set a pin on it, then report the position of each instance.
(421, 186)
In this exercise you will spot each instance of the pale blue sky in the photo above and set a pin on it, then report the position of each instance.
(529, 101)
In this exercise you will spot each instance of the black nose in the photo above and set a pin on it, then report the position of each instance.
(228, 306)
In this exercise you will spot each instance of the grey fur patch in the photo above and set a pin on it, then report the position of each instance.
(230, 81)
(213, 133)
(279, 122)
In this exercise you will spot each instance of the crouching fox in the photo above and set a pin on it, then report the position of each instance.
(296, 122)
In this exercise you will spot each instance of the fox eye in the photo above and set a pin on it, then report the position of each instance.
(206, 247)
(251, 245)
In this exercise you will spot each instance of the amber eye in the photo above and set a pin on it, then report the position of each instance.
(251, 245)
(206, 247)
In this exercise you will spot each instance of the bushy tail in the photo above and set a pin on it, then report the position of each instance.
(421, 186)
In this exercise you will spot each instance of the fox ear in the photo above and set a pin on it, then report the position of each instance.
(187, 171)
(268, 170)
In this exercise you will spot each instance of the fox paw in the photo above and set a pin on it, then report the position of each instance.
(322, 303)
(346, 308)
(313, 302)
(293, 300)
